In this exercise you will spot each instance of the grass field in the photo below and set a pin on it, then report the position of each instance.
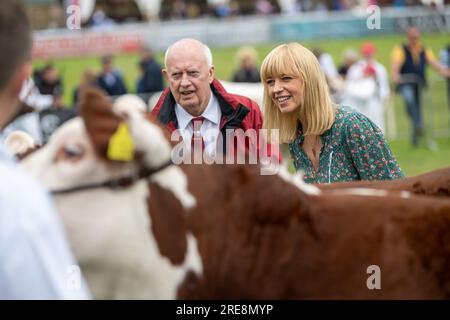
(412, 160)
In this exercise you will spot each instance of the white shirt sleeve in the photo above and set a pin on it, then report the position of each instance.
(30, 95)
(35, 258)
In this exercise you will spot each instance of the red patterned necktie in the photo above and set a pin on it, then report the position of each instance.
(197, 139)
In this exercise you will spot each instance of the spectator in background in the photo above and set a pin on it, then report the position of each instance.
(151, 80)
(110, 79)
(220, 8)
(350, 56)
(179, 10)
(328, 67)
(100, 21)
(88, 78)
(247, 72)
(409, 62)
(48, 81)
(367, 86)
(445, 60)
(193, 10)
(56, 16)
(27, 120)
(264, 7)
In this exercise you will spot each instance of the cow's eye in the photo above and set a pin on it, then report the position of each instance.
(71, 152)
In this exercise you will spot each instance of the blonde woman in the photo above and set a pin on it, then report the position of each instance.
(329, 143)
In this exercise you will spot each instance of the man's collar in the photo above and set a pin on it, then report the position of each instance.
(211, 113)
(183, 117)
(212, 110)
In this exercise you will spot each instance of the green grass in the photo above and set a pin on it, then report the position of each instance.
(421, 159)
(413, 161)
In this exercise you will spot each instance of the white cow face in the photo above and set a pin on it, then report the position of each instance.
(110, 231)
(69, 160)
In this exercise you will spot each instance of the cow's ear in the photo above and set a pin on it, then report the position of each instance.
(20, 144)
(99, 119)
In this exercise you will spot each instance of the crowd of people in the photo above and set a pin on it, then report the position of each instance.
(359, 81)
(44, 94)
(364, 83)
(107, 14)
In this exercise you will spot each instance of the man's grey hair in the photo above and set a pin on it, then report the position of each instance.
(206, 50)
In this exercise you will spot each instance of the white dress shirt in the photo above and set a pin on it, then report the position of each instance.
(209, 130)
(35, 257)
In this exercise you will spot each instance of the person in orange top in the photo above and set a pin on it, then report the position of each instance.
(408, 67)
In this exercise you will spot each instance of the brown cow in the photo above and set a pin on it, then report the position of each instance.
(226, 231)
(281, 242)
(435, 183)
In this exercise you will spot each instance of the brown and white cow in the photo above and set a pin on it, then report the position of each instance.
(226, 231)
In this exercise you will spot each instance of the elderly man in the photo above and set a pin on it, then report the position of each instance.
(197, 106)
(35, 257)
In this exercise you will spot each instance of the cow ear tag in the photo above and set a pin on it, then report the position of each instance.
(121, 145)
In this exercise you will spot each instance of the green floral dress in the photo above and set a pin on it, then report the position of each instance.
(354, 148)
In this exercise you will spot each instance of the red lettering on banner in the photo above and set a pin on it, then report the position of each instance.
(85, 45)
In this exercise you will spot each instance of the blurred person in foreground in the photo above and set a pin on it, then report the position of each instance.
(367, 86)
(328, 143)
(408, 68)
(35, 257)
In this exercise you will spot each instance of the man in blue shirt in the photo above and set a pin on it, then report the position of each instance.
(110, 79)
(445, 60)
(151, 80)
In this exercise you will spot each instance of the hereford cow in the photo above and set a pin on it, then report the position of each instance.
(435, 183)
(149, 229)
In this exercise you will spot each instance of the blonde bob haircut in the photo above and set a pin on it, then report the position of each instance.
(317, 112)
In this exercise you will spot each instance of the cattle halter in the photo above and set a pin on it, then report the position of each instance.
(116, 184)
